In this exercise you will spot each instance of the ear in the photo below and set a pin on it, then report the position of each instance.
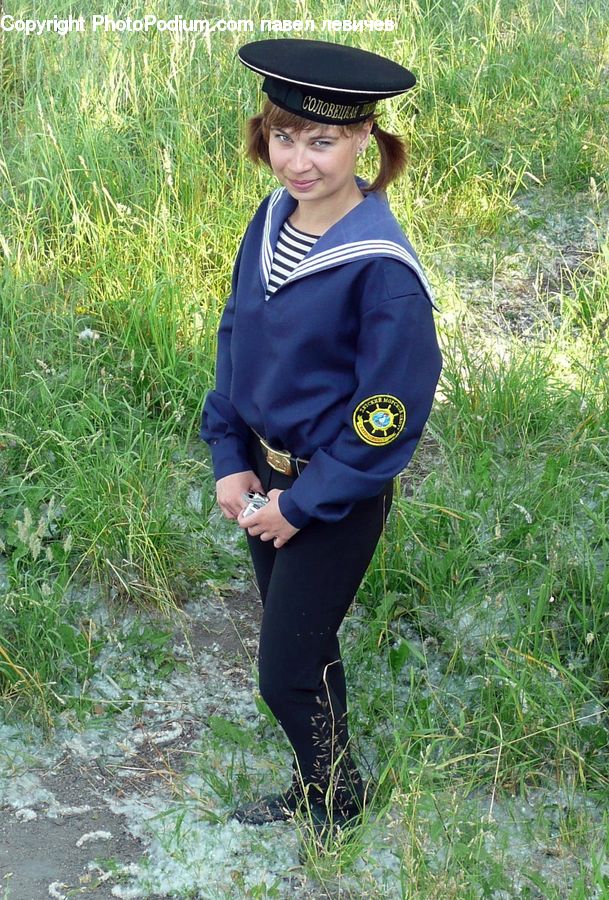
(364, 134)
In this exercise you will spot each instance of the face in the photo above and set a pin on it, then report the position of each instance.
(318, 163)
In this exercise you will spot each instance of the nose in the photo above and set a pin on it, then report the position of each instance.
(300, 161)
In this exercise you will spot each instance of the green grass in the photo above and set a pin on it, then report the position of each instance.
(123, 196)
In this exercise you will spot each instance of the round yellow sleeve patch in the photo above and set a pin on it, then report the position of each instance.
(378, 420)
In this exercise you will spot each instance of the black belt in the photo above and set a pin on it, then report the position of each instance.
(281, 460)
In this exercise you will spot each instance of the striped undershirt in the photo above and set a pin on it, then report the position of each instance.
(292, 246)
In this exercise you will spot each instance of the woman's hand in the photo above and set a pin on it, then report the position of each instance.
(269, 523)
(230, 488)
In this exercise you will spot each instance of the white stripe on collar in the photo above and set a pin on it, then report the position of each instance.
(357, 250)
(266, 251)
(335, 256)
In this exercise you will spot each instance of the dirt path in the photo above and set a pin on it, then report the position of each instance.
(53, 854)
(60, 805)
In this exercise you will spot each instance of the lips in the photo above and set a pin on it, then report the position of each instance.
(302, 185)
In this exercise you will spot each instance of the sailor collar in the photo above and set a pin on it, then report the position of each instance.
(368, 230)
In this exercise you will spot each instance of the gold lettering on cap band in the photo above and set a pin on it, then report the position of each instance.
(336, 110)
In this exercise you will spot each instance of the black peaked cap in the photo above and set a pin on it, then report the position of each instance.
(323, 81)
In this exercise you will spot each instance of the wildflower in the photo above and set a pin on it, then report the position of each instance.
(23, 528)
(523, 701)
(41, 527)
(52, 135)
(88, 335)
(167, 168)
(48, 370)
(35, 545)
(527, 515)
(589, 638)
(164, 213)
(50, 508)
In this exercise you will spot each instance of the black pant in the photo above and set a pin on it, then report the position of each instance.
(306, 588)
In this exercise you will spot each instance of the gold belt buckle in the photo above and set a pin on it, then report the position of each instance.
(277, 459)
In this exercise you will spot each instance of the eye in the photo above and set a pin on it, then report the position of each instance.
(279, 136)
(324, 143)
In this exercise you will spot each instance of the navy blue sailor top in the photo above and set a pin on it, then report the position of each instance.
(339, 366)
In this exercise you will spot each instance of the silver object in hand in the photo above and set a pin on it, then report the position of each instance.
(255, 501)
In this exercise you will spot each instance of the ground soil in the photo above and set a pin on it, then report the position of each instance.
(40, 857)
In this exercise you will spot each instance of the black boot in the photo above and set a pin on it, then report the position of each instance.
(322, 828)
(323, 823)
(271, 808)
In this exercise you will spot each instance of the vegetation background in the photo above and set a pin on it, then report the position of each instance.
(124, 193)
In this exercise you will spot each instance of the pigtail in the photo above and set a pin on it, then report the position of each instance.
(394, 156)
(257, 148)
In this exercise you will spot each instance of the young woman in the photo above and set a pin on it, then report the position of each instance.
(326, 369)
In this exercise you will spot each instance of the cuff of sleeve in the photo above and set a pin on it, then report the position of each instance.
(291, 512)
(229, 455)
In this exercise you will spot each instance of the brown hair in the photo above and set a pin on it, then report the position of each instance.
(392, 148)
